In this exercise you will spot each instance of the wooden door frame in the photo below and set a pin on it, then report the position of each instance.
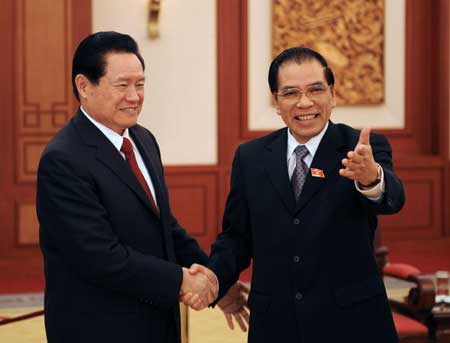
(17, 258)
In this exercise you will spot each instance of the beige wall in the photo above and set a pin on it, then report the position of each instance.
(262, 115)
(180, 105)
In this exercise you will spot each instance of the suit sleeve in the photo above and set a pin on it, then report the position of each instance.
(394, 196)
(75, 226)
(232, 252)
(187, 250)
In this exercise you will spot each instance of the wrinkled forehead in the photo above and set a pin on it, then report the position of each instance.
(301, 74)
(122, 63)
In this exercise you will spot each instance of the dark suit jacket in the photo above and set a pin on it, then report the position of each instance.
(314, 278)
(112, 266)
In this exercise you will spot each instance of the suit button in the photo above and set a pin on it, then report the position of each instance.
(296, 259)
(299, 296)
(296, 221)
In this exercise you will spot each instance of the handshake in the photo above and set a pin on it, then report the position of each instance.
(200, 288)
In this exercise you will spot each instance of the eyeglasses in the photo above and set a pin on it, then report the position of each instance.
(314, 93)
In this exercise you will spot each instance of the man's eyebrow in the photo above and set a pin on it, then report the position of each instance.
(316, 83)
(121, 79)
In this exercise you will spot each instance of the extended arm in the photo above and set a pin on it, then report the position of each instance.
(231, 253)
(361, 165)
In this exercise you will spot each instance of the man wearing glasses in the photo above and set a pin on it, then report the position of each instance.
(303, 205)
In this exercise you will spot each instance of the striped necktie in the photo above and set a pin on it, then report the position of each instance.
(301, 169)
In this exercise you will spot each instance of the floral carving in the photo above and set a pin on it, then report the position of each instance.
(348, 33)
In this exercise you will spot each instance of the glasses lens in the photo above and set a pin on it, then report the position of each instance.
(291, 94)
(316, 92)
(294, 94)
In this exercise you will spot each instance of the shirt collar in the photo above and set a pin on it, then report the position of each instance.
(312, 145)
(112, 135)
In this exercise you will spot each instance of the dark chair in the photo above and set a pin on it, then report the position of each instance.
(413, 315)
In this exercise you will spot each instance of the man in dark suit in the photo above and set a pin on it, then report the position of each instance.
(303, 205)
(115, 257)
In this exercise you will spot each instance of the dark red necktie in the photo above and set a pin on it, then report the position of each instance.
(127, 149)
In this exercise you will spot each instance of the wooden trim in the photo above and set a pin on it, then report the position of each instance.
(231, 67)
(421, 217)
(82, 27)
(21, 317)
(77, 24)
(243, 125)
(229, 35)
(194, 200)
(442, 120)
(419, 162)
(191, 169)
(7, 24)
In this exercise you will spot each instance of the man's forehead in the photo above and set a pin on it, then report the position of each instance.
(308, 72)
(311, 63)
(120, 59)
(122, 65)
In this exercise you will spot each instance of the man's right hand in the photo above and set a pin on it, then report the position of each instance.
(199, 287)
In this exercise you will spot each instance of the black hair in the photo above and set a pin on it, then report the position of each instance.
(89, 58)
(297, 55)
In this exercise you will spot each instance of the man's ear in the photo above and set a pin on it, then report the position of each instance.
(275, 103)
(333, 97)
(82, 83)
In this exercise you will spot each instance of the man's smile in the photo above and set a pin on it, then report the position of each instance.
(305, 117)
(130, 109)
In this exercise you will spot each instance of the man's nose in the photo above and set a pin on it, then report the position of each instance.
(132, 94)
(304, 101)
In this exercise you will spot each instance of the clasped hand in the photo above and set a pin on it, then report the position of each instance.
(199, 287)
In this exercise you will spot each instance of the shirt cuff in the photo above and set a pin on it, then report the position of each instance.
(217, 282)
(376, 192)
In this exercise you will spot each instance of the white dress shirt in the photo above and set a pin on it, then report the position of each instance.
(375, 193)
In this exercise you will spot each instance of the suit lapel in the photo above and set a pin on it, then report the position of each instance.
(148, 156)
(327, 158)
(276, 167)
(108, 155)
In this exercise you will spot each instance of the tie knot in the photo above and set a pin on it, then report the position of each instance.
(301, 151)
(126, 146)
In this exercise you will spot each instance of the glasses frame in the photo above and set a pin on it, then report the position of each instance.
(301, 92)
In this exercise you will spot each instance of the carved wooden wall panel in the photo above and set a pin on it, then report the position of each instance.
(421, 218)
(38, 40)
(194, 201)
(44, 99)
(29, 151)
(27, 223)
(350, 35)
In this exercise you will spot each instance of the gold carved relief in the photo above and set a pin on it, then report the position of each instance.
(348, 33)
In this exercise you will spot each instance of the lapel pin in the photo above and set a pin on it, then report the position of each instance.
(317, 173)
